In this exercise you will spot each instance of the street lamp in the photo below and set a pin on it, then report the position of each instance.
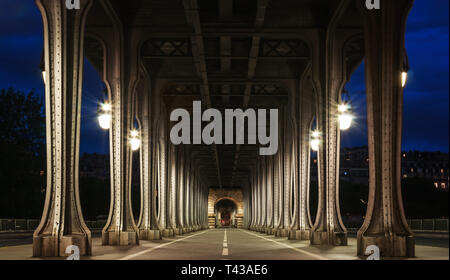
(345, 117)
(105, 115)
(404, 75)
(404, 78)
(135, 141)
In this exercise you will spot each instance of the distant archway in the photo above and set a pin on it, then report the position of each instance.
(225, 207)
(225, 210)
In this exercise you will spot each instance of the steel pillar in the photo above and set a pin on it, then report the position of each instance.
(385, 225)
(62, 222)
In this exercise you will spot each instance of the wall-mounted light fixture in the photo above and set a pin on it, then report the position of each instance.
(105, 115)
(345, 116)
(405, 70)
(315, 140)
(135, 141)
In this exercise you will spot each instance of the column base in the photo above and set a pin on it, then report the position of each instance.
(282, 233)
(178, 231)
(186, 230)
(390, 246)
(123, 238)
(327, 238)
(270, 231)
(149, 234)
(299, 235)
(167, 233)
(47, 246)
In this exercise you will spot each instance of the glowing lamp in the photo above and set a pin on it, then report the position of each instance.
(404, 78)
(345, 117)
(105, 116)
(345, 121)
(104, 121)
(135, 142)
(315, 143)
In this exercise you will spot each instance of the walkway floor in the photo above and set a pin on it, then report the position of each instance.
(224, 244)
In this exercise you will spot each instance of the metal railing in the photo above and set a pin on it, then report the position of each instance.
(23, 225)
(12, 225)
(431, 225)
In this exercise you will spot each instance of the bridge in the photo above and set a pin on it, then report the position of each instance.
(290, 56)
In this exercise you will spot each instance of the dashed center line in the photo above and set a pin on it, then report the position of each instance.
(225, 244)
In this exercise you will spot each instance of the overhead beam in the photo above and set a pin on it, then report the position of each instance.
(252, 62)
(198, 50)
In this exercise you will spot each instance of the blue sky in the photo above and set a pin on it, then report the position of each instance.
(426, 100)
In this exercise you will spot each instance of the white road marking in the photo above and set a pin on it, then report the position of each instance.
(225, 244)
(289, 246)
(129, 257)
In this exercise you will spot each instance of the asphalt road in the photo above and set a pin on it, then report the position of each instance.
(220, 244)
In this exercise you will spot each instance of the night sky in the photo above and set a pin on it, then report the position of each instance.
(426, 101)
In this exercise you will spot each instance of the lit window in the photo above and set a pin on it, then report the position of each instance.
(436, 185)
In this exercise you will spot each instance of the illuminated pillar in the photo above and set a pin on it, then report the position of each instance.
(270, 197)
(122, 76)
(181, 192)
(329, 78)
(172, 194)
(306, 116)
(148, 229)
(385, 225)
(263, 187)
(62, 222)
(285, 176)
(163, 176)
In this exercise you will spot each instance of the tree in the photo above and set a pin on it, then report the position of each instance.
(22, 149)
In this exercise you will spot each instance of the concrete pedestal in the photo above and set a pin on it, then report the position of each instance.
(326, 238)
(167, 232)
(282, 233)
(54, 246)
(390, 246)
(122, 238)
(149, 234)
(299, 235)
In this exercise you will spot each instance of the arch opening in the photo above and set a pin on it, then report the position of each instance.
(225, 211)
